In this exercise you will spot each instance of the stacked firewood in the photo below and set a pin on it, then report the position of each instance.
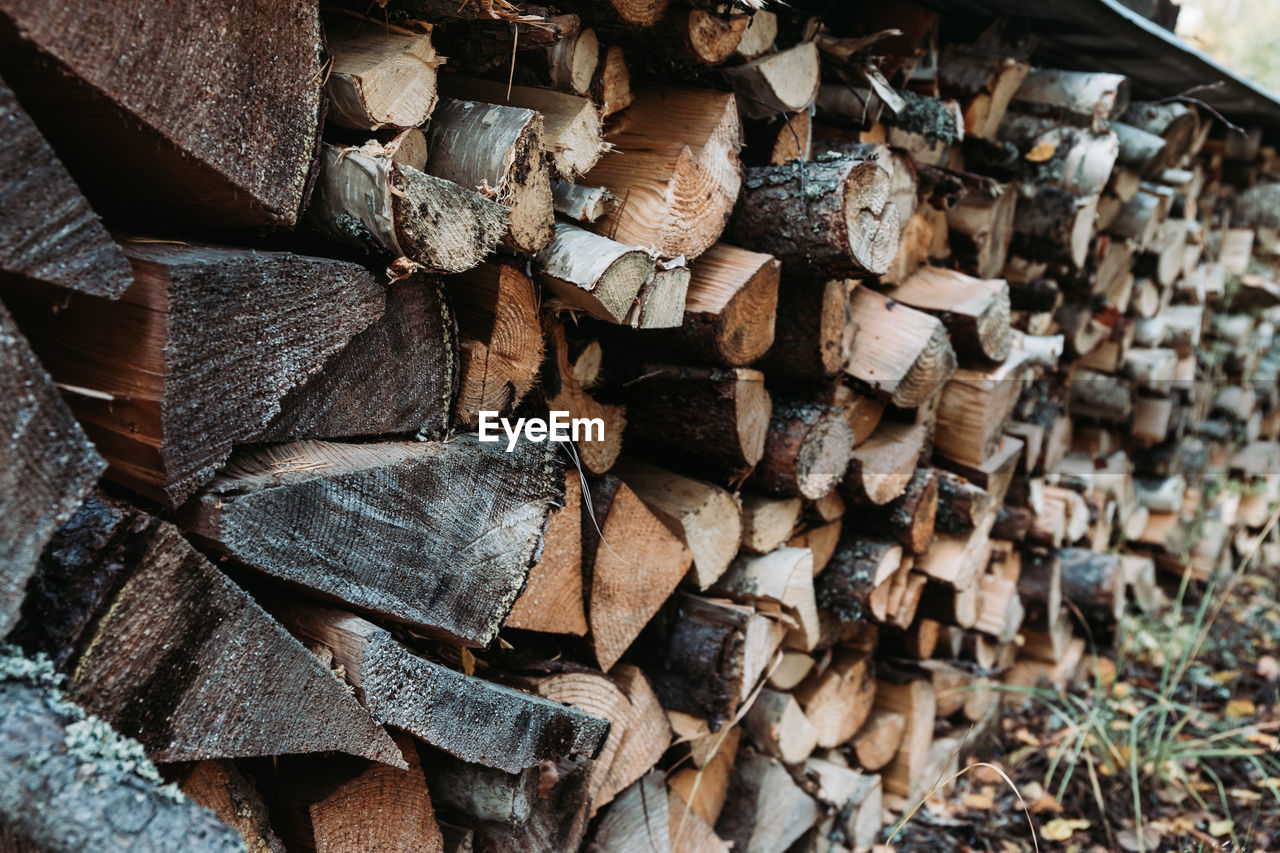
(902, 366)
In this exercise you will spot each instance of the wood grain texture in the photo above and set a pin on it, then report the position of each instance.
(46, 465)
(436, 535)
(552, 601)
(397, 377)
(219, 785)
(207, 112)
(505, 728)
(48, 232)
(197, 354)
(173, 653)
(102, 806)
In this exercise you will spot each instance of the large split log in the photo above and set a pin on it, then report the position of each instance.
(883, 465)
(902, 354)
(858, 568)
(380, 77)
(166, 400)
(572, 132)
(497, 151)
(980, 229)
(1090, 99)
(983, 80)
(507, 729)
(780, 580)
(729, 308)
(830, 216)
(106, 782)
(973, 410)
(765, 809)
(210, 114)
(397, 377)
(46, 465)
(632, 563)
(436, 535)
(1080, 161)
(572, 61)
(728, 436)
(782, 82)
(552, 601)
(143, 623)
(675, 165)
(1054, 225)
(48, 232)
(1173, 121)
(909, 519)
(705, 517)
(365, 198)
(501, 345)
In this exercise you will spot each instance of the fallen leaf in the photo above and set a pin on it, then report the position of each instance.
(1060, 829)
(1219, 828)
(978, 802)
(1241, 708)
(1042, 152)
(1225, 676)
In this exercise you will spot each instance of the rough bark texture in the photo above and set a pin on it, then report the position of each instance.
(807, 449)
(436, 535)
(144, 623)
(46, 465)
(209, 113)
(48, 232)
(397, 377)
(91, 790)
(814, 331)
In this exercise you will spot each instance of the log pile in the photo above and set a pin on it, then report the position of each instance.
(894, 368)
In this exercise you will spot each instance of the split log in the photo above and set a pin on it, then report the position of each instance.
(908, 519)
(857, 569)
(974, 408)
(1080, 161)
(704, 656)
(883, 465)
(901, 354)
(961, 504)
(838, 700)
(557, 819)
(48, 465)
(593, 273)
(572, 133)
(1101, 396)
(48, 232)
(637, 14)
(1145, 153)
(996, 471)
(916, 702)
(853, 800)
(1054, 225)
(821, 539)
(133, 112)
(383, 808)
(611, 86)
(688, 38)
(983, 80)
(98, 779)
(218, 785)
(689, 830)
(473, 793)
(879, 739)
(638, 819)
(580, 203)
(363, 198)
(780, 580)
(782, 82)
(1000, 611)
(780, 728)
(1139, 219)
(597, 449)
(143, 622)
(975, 312)
(729, 309)
(507, 729)
(806, 452)
(498, 151)
(660, 304)
(830, 216)
(552, 600)
(762, 30)
(675, 163)
(765, 809)
(632, 563)
(418, 546)
(705, 517)
(768, 522)
(1040, 587)
(501, 346)
(728, 436)
(163, 409)
(379, 77)
(980, 229)
(1094, 583)
(702, 783)
(1175, 122)
(1090, 99)
(813, 332)
(397, 377)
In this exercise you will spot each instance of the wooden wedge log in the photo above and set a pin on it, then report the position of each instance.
(380, 77)
(592, 273)
(902, 354)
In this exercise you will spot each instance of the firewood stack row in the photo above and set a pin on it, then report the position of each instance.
(900, 363)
